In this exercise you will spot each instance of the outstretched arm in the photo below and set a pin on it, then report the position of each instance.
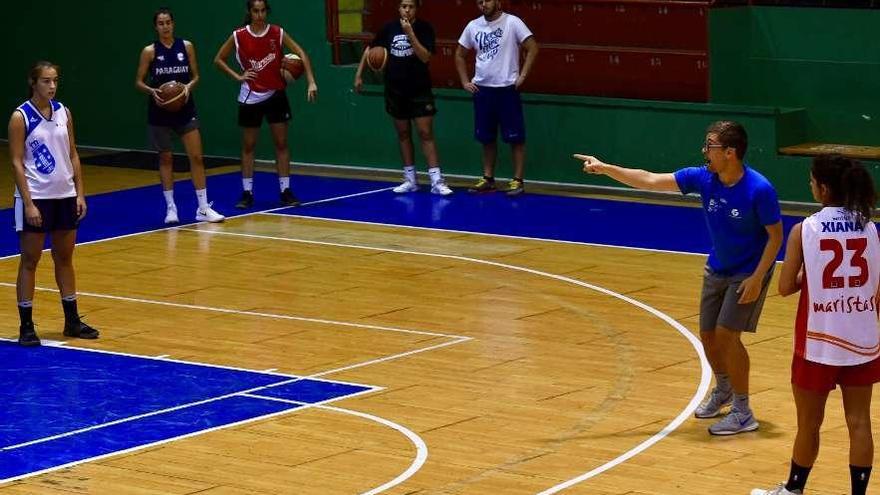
(637, 178)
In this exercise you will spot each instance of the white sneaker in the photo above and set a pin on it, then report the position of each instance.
(441, 188)
(406, 187)
(209, 215)
(171, 215)
(779, 490)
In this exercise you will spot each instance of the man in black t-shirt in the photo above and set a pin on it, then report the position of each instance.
(409, 43)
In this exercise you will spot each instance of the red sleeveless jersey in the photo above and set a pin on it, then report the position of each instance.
(261, 54)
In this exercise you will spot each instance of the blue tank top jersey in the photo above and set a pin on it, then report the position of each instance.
(170, 64)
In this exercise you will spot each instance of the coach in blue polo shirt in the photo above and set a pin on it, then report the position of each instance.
(742, 213)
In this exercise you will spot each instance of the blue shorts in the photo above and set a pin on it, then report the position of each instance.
(494, 107)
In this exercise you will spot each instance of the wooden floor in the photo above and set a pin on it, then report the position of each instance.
(540, 379)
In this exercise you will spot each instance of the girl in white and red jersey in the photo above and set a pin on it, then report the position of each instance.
(833, 258)
(49, 198)
(258, 49)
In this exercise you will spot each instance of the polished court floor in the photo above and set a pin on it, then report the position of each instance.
(373, 343)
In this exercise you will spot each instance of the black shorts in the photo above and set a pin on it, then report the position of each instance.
(58, 214)
(276, 110)
(406, 106)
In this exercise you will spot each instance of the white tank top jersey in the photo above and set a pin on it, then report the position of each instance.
(837, 314)
(47, 165)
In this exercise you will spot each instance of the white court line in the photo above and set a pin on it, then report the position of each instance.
(181, 437)
(706, 371)
(485, 234)
(174, 227)
(415, 439)
(54, 343)
(142, 416)
(307, 203)
(141, 447)
(320, 404)
(656, 438)
(249, 313)
(369, 389)
(389, 358)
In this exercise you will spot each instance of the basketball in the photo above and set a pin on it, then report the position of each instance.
(172, 95)
(376, 58)
(292, 67)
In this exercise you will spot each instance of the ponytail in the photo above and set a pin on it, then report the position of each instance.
(859, 196)
(848, 182)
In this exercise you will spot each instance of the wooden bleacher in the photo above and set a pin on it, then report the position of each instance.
(642, 49)
(849, 150)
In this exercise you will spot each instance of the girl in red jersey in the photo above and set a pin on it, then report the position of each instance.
(258, 50)
(833, 259)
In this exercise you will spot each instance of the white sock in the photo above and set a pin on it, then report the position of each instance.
(247, 183)
(409, 174)
(169, 198)
(202, 196)
(436, 176)
(284, 183)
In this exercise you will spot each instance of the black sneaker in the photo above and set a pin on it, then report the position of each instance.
(27, 336)
(288, 199)
(79, 330)
(246, 201)
(483, 185)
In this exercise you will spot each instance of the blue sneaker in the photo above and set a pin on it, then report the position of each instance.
(735, 422)
(711, 407)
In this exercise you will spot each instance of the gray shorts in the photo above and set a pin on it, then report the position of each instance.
(719, 307)
(161, 136)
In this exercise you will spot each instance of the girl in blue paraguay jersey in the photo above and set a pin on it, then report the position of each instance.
(49, 198)
(174, 59)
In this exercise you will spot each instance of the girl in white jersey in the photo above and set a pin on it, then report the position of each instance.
(49, 198)
(833, 259)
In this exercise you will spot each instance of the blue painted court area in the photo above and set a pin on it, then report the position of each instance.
(540, 216)
(64, 405)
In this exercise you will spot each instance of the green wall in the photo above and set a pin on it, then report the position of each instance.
(97, 43)
(824, 60)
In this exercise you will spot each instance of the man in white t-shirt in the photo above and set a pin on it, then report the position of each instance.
(497, 38)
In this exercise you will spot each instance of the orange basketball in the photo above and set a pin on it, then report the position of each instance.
(377, 57)
(292, 67)
(172, 95)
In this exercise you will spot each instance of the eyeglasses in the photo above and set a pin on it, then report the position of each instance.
(707, 145)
